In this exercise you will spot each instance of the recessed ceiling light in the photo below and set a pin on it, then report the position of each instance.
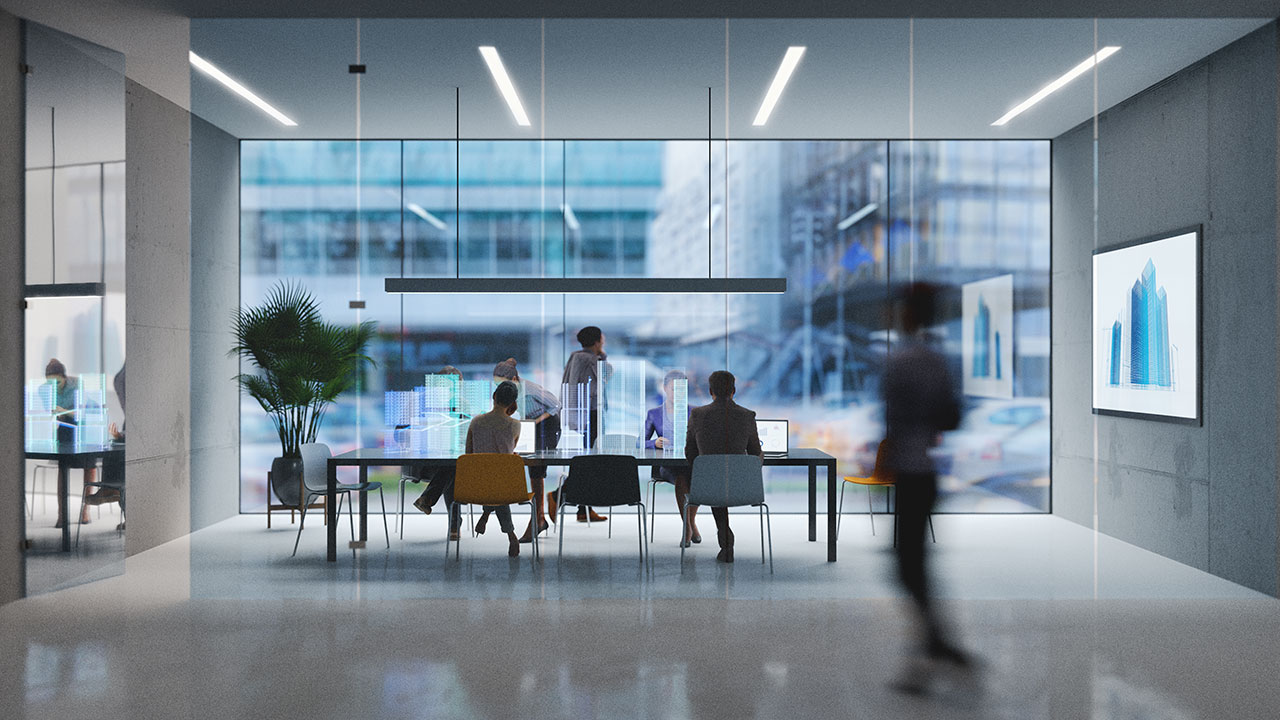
(1058, 84)
(212, 71)
(503, 81)
(788, 66)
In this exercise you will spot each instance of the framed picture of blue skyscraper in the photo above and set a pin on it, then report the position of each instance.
(1146, 328)
(986, 340)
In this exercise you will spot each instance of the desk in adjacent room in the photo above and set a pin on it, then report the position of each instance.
(365, 458)
(68, 459)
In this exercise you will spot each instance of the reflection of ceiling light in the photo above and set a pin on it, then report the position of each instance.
(421, 212)
(586, 285)
(209, 69)
(848, 222)
(571, 219)
(788, 66)
(1058, 84)
(503, 81)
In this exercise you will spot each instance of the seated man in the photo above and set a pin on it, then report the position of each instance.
(497, 432)
(722, 427)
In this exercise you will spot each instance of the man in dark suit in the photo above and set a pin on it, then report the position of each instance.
(722, 427)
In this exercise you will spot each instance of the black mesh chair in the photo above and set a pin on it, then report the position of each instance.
(604, 481)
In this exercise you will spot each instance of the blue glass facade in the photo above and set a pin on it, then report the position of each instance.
(1150, 357)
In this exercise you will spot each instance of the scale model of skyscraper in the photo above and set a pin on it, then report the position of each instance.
(986, 344)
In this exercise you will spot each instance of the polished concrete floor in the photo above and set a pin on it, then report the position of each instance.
(225, 623)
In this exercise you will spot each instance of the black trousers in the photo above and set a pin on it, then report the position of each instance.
(917, 493)
(723, 533)
(546, 437)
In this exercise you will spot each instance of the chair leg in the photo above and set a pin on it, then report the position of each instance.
(610, 523)
(639, 530)
(840, 509)
(560, 509)
(684, 531)
(533, 522)
(871, 513)
(935, 537)
(769, 524)
(400, 526)
(653, 499)
(383, 499)
(83, 494)
(300, 524)
(762, 534)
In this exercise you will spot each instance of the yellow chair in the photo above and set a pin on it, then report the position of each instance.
(880, 477)
(490, 479)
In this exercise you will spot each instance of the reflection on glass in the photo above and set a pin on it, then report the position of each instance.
(843, 221)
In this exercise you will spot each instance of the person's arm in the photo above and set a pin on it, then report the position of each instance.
(650, 429)
(753, 438)
(515, 436)
(691, 442)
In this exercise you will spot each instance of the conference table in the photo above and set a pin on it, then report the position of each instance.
(365, 458)
(68, 458)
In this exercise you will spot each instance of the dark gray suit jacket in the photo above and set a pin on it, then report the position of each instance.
(722, 428)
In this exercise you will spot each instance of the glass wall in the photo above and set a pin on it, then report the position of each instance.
(844, 221)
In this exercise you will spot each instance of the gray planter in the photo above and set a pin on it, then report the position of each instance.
(286, 479)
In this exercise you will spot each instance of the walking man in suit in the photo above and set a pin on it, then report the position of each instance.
(722, 427)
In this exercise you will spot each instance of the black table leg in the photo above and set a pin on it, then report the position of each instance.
(64, 514)
(831, 512)
(331, 513)
(813, 503)
(364, 504)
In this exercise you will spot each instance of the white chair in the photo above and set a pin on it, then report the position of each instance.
(729, 481)
(315, 472)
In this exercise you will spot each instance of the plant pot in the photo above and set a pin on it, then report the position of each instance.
(286, 480)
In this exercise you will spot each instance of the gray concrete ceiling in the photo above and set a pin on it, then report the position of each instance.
(864, 78)
(713, 8)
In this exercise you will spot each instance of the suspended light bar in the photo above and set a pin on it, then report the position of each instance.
(571, 218)
(848, 222)
(788, 66)
(1058, 84)
(422, 212)
(586, 286)
(503, 81)
(212, 71)
(66, 290)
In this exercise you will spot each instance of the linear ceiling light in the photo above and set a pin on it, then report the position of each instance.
(503, 81)
(422, 212)
(585, 285)
(1058, 84)
(212, 71)
(788, 66)
(848, 222)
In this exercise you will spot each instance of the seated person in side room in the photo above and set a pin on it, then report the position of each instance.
(722, 428)
(543, 408)
(658, 425)
(497, 432)
(64, 390)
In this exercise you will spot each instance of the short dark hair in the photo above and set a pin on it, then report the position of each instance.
(506, 393)
(722, 383)
(589, 335)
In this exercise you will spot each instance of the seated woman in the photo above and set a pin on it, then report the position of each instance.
(658, 425)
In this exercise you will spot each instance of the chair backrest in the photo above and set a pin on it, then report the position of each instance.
(490, 479)
(881, 470)
(619, 443)
(727, 480)
(602, 480)
(315, 466)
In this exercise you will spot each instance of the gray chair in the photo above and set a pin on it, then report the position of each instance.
(39, 475)
(315, 470)
(605, 481)
(729, 481)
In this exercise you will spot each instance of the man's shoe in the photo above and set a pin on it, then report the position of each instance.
(513, 548)
(595, 516)
(725, 555)
(421, 504)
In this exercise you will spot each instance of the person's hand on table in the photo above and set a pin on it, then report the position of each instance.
(660, 443)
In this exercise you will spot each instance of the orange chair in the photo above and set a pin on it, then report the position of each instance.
(490, 479)
(879, 477)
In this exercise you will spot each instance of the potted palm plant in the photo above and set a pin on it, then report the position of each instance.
(298, 365)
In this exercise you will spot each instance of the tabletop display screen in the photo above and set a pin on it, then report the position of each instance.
(773, 435)
(527, 432)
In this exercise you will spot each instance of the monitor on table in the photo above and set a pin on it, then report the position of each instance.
(526, 445)
(774, 436)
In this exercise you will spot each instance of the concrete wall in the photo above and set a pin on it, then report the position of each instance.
(158, 318)
(1197, 149)
(215, 295)
(13, 524)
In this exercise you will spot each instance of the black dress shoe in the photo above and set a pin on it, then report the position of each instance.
(725, 555)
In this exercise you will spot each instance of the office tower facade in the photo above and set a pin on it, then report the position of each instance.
(982, 340)
(1148, 351)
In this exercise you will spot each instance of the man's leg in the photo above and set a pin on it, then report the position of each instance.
(723, 533)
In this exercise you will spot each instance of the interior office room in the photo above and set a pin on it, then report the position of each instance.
(321, 236)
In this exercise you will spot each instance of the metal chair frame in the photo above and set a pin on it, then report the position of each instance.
(641, 511)
(765, 519)
(342, 490)
(533, 513)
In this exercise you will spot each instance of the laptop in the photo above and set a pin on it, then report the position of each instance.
(528, 432)
(775, 437)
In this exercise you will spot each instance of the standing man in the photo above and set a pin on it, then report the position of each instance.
(722, 427)
(919, 404)
(580, 371)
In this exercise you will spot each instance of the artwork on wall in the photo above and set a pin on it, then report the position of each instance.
(987, 337)
(1146, 328)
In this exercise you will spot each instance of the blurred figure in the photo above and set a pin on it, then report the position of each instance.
(658, 426)
(919, 404)
(64, 394)
(722, 427)
(440, 480)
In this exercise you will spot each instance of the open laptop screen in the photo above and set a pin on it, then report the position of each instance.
(526, 445)
(774, 435)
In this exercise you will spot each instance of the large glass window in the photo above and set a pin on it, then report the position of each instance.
(844, 221)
